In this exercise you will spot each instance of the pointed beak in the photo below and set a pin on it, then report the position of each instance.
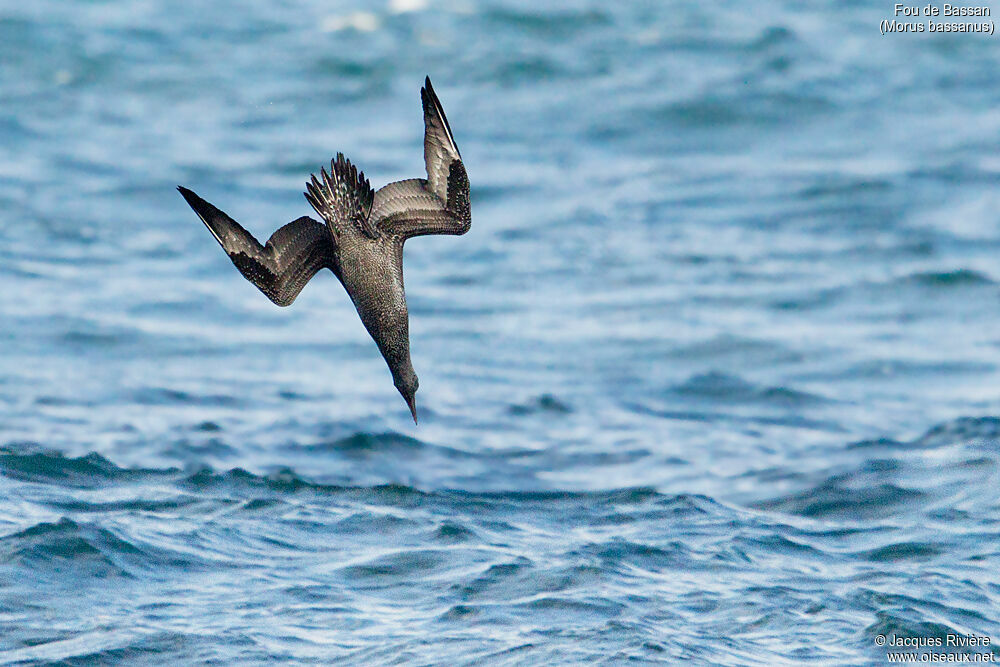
(412, 402)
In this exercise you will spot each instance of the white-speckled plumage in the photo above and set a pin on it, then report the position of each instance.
(362, 238)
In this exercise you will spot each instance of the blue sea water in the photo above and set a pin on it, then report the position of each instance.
(715, 376)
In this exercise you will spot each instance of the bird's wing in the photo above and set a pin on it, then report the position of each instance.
(281, 267)
(407, 208)
(440, 150)
(438, 205)
(344, 196)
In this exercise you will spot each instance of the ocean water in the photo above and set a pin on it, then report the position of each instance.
(714, 377)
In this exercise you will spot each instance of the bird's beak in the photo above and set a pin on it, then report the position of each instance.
(412, 402)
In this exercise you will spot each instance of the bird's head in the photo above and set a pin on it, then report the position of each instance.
(407, 384)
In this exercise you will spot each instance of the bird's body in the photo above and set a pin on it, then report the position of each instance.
(372, 273)
(361, 240)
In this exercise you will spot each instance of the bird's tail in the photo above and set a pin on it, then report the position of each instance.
(344, 196)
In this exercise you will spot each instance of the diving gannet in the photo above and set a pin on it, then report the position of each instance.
(362, 240)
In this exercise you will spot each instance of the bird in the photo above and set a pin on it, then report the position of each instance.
(360, 239)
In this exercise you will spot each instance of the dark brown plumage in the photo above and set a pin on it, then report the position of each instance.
(362, 240)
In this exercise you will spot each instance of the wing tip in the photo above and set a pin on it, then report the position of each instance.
(213, 218)
(199, 205)
(427, 94)
(188, 195)
(432, 104)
